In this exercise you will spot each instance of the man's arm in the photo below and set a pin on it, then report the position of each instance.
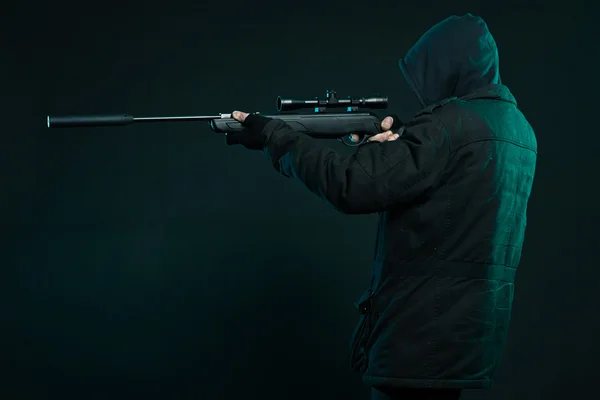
(377, 176)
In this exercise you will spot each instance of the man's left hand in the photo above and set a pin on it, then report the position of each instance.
(239, 116)
(253, 137)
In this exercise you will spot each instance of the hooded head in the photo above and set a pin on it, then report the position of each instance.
(454, 58)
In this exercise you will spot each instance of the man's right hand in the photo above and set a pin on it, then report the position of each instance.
(385, 136)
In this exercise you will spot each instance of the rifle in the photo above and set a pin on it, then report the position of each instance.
(319, 124)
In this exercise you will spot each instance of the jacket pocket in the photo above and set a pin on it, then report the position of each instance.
(362, 333)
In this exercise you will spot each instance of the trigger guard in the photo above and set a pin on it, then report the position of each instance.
(349, 142)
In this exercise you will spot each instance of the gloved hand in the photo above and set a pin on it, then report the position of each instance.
(253, 137)
(387, 135)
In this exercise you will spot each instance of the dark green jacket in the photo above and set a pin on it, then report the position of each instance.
(452, 195)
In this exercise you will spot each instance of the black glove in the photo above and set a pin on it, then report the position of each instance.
(253, 137)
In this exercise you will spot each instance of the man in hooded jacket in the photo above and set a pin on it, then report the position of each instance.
(451, 191)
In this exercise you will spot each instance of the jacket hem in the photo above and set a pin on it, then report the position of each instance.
(380, 381)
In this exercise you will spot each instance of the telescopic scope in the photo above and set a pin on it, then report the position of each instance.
(332, 102)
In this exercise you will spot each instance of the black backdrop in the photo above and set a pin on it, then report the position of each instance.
(156, 262)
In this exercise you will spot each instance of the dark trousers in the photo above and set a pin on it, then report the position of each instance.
(415, 394)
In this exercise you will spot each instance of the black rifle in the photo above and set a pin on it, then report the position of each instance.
(319, 124)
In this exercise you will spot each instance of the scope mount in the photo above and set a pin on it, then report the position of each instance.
(332, 101)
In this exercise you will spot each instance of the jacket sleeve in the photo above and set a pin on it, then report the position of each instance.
(375, 177)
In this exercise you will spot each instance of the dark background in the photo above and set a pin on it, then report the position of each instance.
(154, 261)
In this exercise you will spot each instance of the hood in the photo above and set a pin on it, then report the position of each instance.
(453, 59)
